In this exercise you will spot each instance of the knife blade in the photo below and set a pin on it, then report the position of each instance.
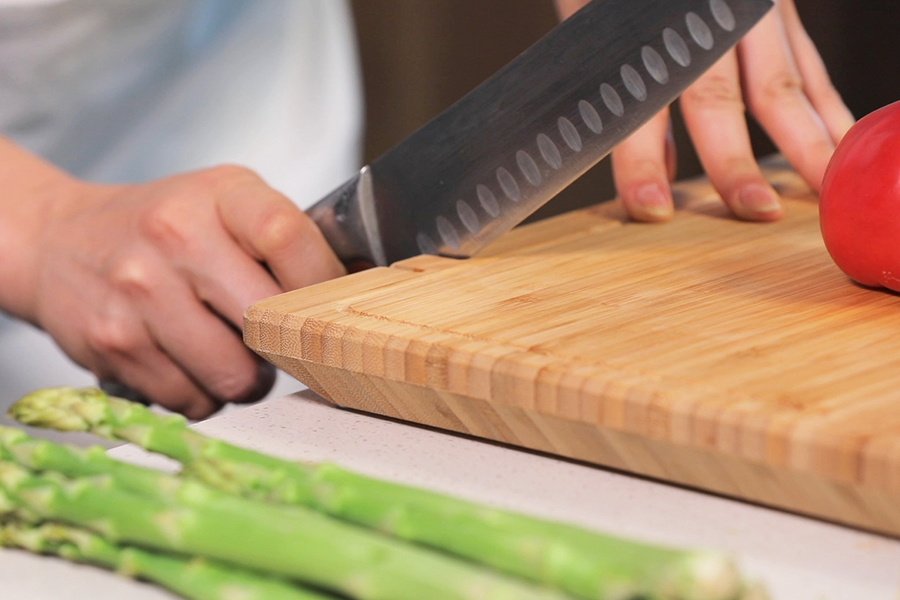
(494, 157)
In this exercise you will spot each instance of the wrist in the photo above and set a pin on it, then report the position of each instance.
(34, 193)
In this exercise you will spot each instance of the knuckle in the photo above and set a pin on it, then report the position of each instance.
(166, 224)
(280, 228)
(715, 91)
(134, 276)
(784, 84)
(111, 336)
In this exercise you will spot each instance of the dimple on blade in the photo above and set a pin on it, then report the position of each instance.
(493, 158)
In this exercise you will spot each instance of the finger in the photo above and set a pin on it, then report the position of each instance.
(229, 280)
(641, 169)
(714, 115)
(156, 377)
(567, 8)
(816, 82)
(774, 91)
(275, 231)
(193, 238)
(206, 349)
(121, 350)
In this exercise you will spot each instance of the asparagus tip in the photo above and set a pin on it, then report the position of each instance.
(16, 534)
(62, 408)
(705, 576)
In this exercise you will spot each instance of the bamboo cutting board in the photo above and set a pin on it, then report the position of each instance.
(723, 355)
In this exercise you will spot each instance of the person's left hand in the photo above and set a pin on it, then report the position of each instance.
(777, 70)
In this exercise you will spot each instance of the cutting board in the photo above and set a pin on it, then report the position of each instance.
(728, 356)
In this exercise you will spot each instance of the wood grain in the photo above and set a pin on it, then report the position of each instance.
(725, 355)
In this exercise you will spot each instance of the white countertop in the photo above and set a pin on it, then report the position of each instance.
(799, 558)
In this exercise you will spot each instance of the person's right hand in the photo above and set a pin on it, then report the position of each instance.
(146, 284)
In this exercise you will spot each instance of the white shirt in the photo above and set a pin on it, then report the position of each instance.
(133, 90)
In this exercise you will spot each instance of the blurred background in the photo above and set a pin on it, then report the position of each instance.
(418, 57)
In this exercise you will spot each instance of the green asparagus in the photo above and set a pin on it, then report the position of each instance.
(287, 541)
(579, 562)
(44, 455)
(191, 578)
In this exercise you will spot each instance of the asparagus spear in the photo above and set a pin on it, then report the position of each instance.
(292, 542)
(194, 579)
(586, 564)
(44, 455)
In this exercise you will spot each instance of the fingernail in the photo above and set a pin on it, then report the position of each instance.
(265, 379)
(759, 201)
(651, 203)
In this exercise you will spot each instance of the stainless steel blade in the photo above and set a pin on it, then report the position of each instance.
(482, 166)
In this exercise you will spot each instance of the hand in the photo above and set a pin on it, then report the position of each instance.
(147, 284)
(777, 70)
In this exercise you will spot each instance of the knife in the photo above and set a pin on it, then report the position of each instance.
(482, 166)
(494, 157)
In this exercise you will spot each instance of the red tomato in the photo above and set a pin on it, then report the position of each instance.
(859, 208)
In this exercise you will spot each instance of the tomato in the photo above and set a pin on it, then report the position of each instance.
(859, 208)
